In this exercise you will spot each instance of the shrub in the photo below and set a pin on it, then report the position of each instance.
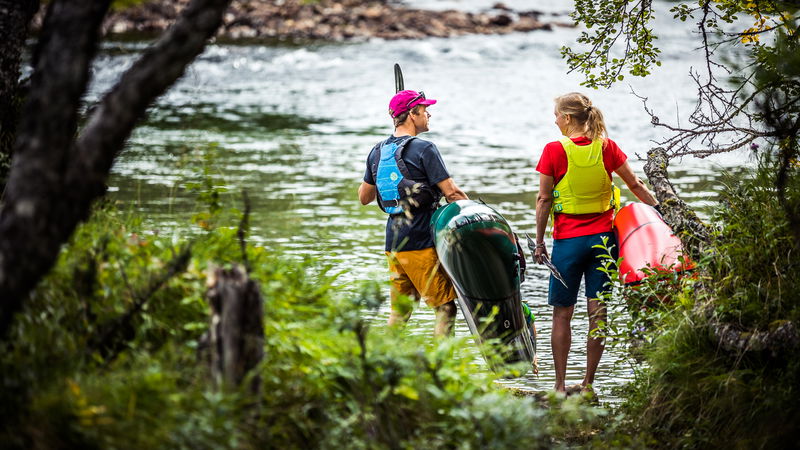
(105, 355)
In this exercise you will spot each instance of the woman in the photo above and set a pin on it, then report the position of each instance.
(575, 176)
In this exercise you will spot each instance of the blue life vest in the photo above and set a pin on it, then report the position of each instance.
(397, 192)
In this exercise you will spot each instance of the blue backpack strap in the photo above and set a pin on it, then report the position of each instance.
(398, 157)
(374, 161)
(425, 196)
(410, 194)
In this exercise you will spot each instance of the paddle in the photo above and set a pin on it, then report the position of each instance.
(546, 261)
(398, 78)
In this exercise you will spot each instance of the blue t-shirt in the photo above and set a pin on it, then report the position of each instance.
(425, 164)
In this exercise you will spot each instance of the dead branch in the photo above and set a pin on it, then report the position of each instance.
(244, 224)
(111, 337)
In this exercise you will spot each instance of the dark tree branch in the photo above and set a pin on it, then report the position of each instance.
(112, 336)
(719, 115)
(55, 179)
(158, 68)
(30, 235)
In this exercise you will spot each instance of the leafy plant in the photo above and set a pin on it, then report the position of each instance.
(689, 390)
(329, 377)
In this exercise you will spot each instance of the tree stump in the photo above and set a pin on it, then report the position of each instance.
(236, 332)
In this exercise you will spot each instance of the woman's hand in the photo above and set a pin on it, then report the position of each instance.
(540, 253)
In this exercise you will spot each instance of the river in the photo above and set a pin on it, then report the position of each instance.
(292, 125)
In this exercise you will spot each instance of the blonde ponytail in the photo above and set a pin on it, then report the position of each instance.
(588, 118)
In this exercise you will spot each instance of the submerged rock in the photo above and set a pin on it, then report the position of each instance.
(331, 20)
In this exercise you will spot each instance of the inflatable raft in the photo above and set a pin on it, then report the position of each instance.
(480, 253)
(646, 241)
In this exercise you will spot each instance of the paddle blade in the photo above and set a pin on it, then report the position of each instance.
(398, 78)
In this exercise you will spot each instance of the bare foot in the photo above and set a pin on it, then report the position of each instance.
(588, 393)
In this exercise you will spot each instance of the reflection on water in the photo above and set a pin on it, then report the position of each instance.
(293, 125)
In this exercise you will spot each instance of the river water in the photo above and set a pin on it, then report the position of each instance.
(292, 124)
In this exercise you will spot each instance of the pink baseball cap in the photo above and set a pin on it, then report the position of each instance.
(403, 101)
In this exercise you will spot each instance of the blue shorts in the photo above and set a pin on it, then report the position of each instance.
(575, 258)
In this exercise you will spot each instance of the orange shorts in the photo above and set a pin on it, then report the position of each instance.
(419, 272)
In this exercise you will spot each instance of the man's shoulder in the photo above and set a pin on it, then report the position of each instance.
(414, 145)
(420, 145)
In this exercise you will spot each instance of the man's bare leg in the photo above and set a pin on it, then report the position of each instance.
(594, 346)
(401, 308)
(560, 341)
(445, 319)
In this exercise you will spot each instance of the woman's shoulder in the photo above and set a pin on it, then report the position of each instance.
(610, 145)
(554, 145)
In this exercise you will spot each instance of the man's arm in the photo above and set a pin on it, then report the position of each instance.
(635, 184)
(451, 191)
(366, 193)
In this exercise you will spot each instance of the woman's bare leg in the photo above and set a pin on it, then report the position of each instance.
(560, 341)
(594, 346)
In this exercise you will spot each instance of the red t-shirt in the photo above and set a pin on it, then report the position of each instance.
(554, 163)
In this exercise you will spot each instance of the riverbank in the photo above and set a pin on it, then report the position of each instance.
(336, 20)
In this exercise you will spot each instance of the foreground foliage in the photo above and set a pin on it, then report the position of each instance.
(691, 391)
(108, 353)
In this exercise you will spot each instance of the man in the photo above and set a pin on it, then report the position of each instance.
(407, 176)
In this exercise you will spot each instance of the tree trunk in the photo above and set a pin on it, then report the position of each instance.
(236, 333)
(31, 231)
(782, 337)
(15, 18)
(54, 178)
(692, 232)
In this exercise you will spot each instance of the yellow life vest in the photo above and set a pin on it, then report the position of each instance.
(586, 187)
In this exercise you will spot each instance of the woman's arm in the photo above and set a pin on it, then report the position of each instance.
(635, 184)
(544, 203)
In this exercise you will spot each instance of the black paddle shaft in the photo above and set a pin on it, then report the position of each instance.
(398, 78)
